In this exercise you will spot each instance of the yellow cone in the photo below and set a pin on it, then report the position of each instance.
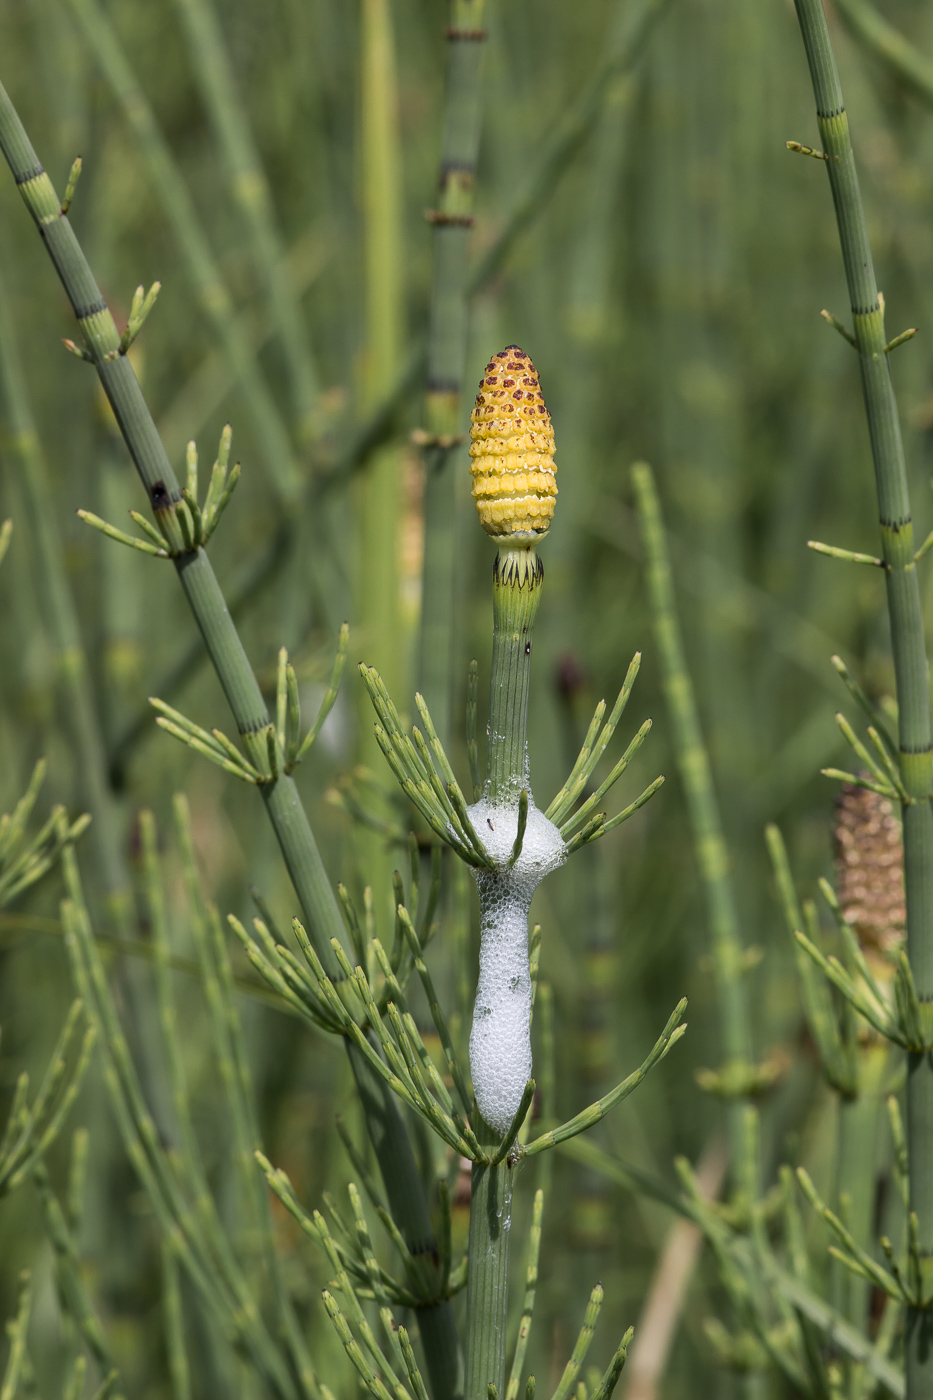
(512, 446)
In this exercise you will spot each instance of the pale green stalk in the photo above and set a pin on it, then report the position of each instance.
(915, 736)
(271, 437)
(630, 28)
(106, 835)
(446, 353)
(72, 1289)
(173, 1320)
(593, 307)
(884, 42)
(860, 1120)
(709, 843)
(403, 1185)
(249, 187)
(380, 485)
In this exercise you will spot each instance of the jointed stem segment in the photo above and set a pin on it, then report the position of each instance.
(915, 736)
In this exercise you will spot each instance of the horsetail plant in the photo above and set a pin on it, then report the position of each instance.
(902, 770)
(510, 846)
(176, 532)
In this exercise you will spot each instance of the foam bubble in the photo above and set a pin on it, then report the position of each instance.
(500, 1040)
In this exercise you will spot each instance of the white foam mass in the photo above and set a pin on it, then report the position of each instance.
(500, 1040)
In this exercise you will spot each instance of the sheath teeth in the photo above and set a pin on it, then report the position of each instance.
(512, 447)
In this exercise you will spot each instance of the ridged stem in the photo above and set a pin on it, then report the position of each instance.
(272, 440)
(517, 577)
(289, 820)
(915, 738)
(703, 810)
(249, 188)
(488, 1283)
(446, 353)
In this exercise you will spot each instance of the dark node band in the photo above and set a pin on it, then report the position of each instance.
(83, 312)
(457, 167)
(31, 174)
(510, 574)
(255, 726)
(437, 216)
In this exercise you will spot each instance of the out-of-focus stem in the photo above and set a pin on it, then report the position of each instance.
(446, 355)
(887, 44)
(63, 624)
(657, 1325)
(380, 487)
(703, 808)
(271, 438)
(250, 190)
(856, 1181)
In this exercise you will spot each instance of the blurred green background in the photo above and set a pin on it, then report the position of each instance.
(667, 284)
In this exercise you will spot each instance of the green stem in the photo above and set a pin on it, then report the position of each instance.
(289, 820)
(446, 354)
(379, 490)
(271, 438)
(250, 190)
(703, 808)
(63, 625)
(488, 1283)
(856, 1154)
(517, 580)
(915, 738)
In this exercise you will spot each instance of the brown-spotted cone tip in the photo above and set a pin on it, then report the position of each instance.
(512, 447)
